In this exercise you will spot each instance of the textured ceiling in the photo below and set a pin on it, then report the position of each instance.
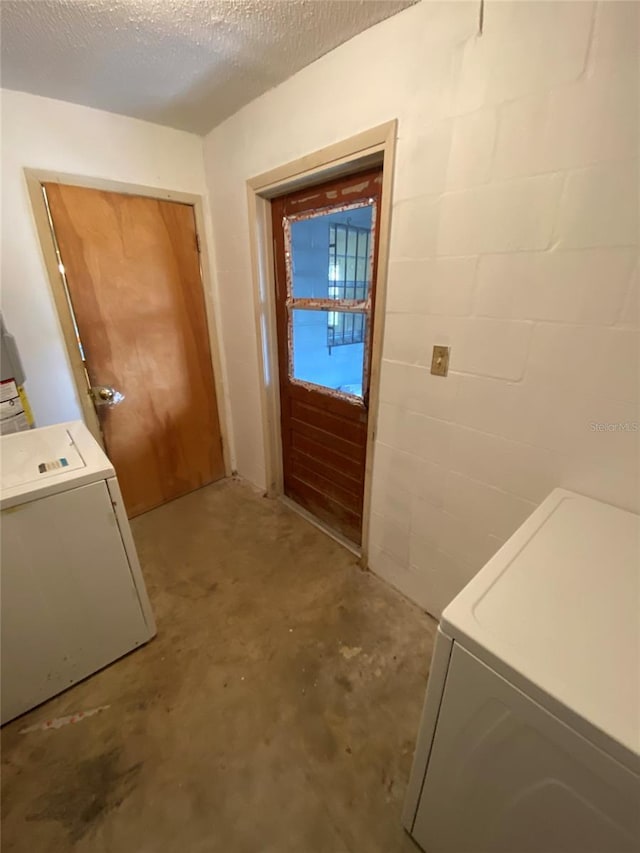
(185, 63)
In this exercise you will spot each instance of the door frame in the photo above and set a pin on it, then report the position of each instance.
(35, 179)
(373, 147)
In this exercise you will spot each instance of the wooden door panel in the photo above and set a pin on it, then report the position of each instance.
(326, 456)
(312, 498)
(328, 471)
(328, 485)
(133, 275)
(307, 413)
(328, 441)
(324, 421)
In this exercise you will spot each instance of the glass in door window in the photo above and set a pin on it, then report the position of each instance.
(329, 265)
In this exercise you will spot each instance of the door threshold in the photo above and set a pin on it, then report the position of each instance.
(333, 534)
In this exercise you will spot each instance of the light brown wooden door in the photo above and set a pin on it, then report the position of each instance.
(133, 275)
(326, 245)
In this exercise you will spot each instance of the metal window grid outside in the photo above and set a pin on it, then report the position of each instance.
(349, 247)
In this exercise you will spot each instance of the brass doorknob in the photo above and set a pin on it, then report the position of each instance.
(103, 395)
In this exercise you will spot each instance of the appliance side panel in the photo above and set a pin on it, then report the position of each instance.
(426, 733)
(69, 604)
(505, 775)
(132, 554)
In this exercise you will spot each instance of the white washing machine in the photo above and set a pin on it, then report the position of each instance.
(530, 735)
(73, 597)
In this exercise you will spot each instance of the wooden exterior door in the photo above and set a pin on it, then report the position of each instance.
(326, 247)
(132, 271)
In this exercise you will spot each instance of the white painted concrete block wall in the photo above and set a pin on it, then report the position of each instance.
(514, 240)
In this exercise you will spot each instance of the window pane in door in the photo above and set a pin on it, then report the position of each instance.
(328, 349)
(323, 251)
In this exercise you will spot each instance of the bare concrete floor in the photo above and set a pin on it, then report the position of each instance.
(275, 712)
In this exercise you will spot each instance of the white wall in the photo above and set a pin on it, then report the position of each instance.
(514, 238)
(47, 134)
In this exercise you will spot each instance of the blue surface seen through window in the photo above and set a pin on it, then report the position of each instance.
(330, 260)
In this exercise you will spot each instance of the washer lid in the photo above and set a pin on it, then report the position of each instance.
(41, 462)
(33, 456)
(555, 611)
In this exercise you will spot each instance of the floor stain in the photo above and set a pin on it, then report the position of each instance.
(348, 653)
(86, 792)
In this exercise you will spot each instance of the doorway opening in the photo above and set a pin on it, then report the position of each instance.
(320, 231)
(325, 244)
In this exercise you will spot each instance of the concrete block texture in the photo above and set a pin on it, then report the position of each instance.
(514, 241)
